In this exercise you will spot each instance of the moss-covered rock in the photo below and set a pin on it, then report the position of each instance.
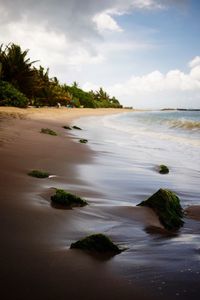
(76, 127)
(98, 243)
(67, 200)
(67, 127)
(48, 131)
(38, 174)
(163, 169)
(166, 205)
(83, 141)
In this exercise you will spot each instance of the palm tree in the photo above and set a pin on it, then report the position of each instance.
(0, 70)
(101, 95)
(75, 84)
(17, 68)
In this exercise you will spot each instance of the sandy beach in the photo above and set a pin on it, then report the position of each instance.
(36, 262)
(99, 150)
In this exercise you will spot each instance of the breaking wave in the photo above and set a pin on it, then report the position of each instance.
(184, 124)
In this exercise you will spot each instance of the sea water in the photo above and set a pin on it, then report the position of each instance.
(131, 146)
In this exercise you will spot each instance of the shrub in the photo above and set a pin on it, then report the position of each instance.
(10, 96)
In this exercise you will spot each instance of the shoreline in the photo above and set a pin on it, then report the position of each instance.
(35, 259)
(35, 256)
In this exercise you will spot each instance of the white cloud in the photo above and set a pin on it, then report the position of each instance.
(122, 7)
(3, 12)
(81, 56)
(194, 62)
(64, 30)
(158, 82)
(148, 4)
(147, 90)
(113, 46)
(105, 22)
(88, 86)
(63, 35)
(53, 47)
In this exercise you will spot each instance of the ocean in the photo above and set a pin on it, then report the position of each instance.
(128, 149)
(131, 146)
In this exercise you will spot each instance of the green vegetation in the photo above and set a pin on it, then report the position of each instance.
(83, 141)
(38, 174)
(163, 169)
(10, 96)
(166, 205)
(67, 127)
(67, 200)
(102, 99)
(48, 91)
(96, 243)
(80, 97)
(91, 99)
(17, 69)
(76, 127)
(33, 85)
(48, 131)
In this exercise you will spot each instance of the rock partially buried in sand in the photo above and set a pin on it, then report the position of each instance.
(67, 127)
(83, 141)
(67, 200)
(163, 169)
(76, 127)
(48, 131)
(167, 206)
(97, 243)
(38, 174)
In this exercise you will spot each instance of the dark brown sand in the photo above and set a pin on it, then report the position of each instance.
(193, 212)
(35, 260)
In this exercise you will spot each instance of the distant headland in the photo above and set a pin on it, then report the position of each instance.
(181, 109)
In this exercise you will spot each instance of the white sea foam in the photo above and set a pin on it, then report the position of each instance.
(132, 145)
(156, 126)
(185, 124)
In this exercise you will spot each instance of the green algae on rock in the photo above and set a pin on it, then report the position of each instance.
(163, 169)
(38, 174)
(98, 243)
(48, 131)
(166, 205)
(67, 200)
(83, 141)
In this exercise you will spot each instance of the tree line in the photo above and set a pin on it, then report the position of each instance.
(22, 84)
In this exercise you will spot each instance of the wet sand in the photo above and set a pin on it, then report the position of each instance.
(36, 262)
(193, 212)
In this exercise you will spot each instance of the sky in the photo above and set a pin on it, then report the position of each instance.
(146, 53)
